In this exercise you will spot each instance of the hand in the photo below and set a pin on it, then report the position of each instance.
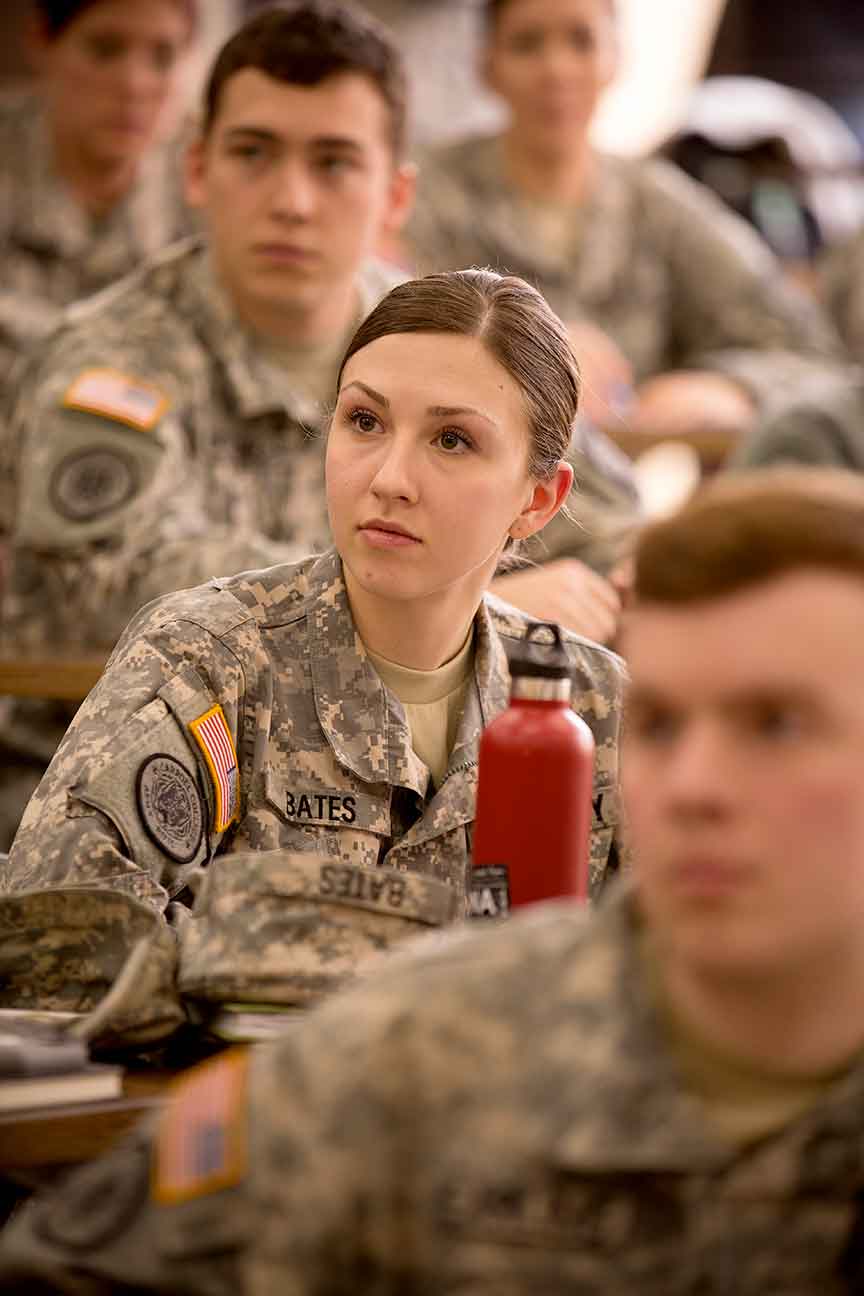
(607, 375)
(682, 403)
(566, 591)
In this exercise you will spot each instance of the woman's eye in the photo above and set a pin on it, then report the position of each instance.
(364, 421)
(450, 440)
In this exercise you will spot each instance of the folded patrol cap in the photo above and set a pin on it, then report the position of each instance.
(280, 927)
(93, 951)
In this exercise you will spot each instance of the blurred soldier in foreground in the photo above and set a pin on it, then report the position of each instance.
(664, 1097)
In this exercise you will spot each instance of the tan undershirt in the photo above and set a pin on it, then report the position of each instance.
(433, 703)
(555, 226)
(744, 1102)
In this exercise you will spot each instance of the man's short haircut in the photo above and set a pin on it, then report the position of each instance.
(305, 43)
(745, 528)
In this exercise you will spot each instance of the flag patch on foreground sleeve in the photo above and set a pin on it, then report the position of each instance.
(213, 736)
(117, 396)
(200, 1144)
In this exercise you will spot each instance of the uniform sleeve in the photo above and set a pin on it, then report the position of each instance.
(274, 1170)
(110, 507)
(842, 285)
(131, 800)
(731, 308)
(824, 427)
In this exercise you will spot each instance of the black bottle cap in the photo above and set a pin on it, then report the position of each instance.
(543, 658)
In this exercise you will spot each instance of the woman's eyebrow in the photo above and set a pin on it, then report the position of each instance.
(453, 411)
(370, 392)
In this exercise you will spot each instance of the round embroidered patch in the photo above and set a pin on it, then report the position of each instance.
(170, 807)
(90, 483)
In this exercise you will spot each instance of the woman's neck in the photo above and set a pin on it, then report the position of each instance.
(422, 634)
(556, 173)
(796, 1024)
(98, 184)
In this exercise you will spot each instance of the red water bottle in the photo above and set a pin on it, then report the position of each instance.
(533, 817)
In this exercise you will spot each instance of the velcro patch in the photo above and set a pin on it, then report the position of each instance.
(213, 736)
(169, 804)
(200, 1144)
(89, 483)
(117, 396)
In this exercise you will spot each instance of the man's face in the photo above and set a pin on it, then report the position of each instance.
(743, 776)
(296, 185)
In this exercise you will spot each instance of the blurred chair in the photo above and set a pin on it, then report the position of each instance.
(781, 158)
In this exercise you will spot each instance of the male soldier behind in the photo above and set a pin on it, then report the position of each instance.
(170, 429)
(687, 1115)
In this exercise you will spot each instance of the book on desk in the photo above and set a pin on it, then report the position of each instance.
(43, 1065)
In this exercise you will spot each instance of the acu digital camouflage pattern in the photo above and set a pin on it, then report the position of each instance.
(228, 476)
(842, 283)
(656, 261)
(500, 1115)
(326, 770)
(109, 515)
(54, 253)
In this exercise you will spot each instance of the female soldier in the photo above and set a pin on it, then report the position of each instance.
(652, 274)
(310, 731)
(83, 195)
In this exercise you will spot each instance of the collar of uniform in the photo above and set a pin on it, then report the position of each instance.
(645, 1120)
(363, 722)
(486, 696)
(606, 222)
(258, 389)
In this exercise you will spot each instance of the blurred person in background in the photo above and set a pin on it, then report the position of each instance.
(88, 185)
(677, 310)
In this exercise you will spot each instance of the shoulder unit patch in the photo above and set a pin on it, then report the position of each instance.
(117, 396)
(169, 804)
(213, 736)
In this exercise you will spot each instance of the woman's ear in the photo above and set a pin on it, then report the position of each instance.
(546, 499)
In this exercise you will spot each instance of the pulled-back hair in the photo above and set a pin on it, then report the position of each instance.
(56, 15)
(745, 528)
(305, 43)
(518, 328)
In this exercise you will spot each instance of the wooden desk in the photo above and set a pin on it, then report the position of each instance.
(58, 1136)
(66, 678)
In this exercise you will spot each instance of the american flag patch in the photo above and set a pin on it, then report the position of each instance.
(200, 1142)
(118, 396)
(213, 736)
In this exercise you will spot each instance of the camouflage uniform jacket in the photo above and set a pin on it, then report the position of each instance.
(155, 449)
(500, 1115)
(243, 719)
(842, 274)
(670, 274)
(53, 253)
